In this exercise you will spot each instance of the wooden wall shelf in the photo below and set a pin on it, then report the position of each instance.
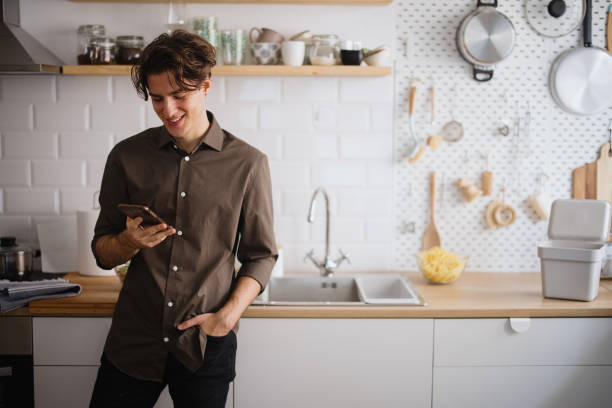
(246, 70)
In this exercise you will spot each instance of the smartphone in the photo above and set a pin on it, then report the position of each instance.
(148, 216)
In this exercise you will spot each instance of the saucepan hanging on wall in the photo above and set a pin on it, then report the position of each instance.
(580, 78)
(485, 38)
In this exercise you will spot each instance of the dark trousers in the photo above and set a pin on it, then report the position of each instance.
(206, 388)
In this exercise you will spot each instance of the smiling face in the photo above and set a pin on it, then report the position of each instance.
(183, 113)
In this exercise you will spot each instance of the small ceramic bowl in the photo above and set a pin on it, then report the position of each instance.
(266, 53)
(378, 57)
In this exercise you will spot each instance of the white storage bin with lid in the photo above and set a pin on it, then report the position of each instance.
(571, 259)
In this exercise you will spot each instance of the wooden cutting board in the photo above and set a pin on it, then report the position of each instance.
(594, 180)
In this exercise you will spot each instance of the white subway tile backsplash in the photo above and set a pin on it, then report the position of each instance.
(49, 219)
(324, 117)
(368, 257)
(15, 173)
(290, 230)
(380, 173)
(381, 117)
(379, 230)
(95, 171)
(73, 199)
(371, 146)
(290, 174)
(286, 117)
(339, 173)
(151, 118)
(378, 89)
(84, 144)
(310, 146)
(117, 117)
(235, 117)
(16, 116)
(268, 143)
(15, 226)
(84, 89)
(310, 89)
(30, 201)
(216, 93)
(69, 173)
(58, 117)
(352, 117)
(345, 230)
(29, 144)
(124, 91)
(28, 88)
(253, 89)
(295, 202)
(369, 202)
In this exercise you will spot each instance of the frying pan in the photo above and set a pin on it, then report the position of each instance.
(580, 79)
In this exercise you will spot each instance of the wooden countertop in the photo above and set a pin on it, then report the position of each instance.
(473, 295)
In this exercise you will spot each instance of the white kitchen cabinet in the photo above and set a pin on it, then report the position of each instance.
(333, 363)
(555, 362)
(67, 353)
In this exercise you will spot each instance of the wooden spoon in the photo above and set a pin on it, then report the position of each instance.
(431, 237)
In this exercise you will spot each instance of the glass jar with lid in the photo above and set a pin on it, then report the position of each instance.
(84, 35)
(103, 50)
(325, 50)
(129, 48)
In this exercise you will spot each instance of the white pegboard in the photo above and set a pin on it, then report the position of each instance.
(558, 142)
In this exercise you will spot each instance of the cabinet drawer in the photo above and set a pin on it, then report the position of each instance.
(69, 340)
(547, 341)
(511, 387)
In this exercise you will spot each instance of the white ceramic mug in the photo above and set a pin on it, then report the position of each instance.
(293, 52)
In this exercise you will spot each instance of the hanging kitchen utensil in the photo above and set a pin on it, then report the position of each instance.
(499, 214)
(431, 237)
(486, 177)
(541, 201)
(453, 130)
(415, 150)
(580, 81)
(554, 18)
(434, 139)
(485, 38)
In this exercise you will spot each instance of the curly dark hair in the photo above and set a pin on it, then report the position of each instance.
(188, 57)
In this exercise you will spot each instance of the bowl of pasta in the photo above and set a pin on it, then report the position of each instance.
(439, 266)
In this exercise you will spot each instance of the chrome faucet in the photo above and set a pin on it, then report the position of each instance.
(328, 265)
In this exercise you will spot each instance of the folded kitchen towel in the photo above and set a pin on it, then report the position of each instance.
(14, 295)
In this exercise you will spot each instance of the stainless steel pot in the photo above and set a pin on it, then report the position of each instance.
(485, 37)
(15, 261)
(580, 79)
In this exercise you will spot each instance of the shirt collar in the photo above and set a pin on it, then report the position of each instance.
(212, 138)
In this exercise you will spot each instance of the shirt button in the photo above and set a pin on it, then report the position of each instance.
(186, 158)
(183, 194)
(166, 339)
(175, 146)
(175, 268)
(179, 233)
(170, 304)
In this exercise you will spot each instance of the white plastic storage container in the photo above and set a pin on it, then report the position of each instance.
(571, 259)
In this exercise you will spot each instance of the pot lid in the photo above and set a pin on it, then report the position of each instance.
(554, 18)
(489, 36)
(580, 220)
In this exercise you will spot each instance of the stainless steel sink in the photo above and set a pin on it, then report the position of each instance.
(369, 289)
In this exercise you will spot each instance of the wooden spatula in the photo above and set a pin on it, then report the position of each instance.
(431, 237)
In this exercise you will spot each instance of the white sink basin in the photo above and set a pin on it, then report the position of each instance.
(372, 289)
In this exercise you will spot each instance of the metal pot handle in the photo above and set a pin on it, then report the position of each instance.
(482, 75)
(586, 27)
(482, 3)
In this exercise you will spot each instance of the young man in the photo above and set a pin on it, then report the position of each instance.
(177, 313)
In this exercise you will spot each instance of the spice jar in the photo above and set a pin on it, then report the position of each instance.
(129, 48)
(104, 50)
(84, 35)
(325, 50)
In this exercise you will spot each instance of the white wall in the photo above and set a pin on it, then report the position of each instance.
(56, 131)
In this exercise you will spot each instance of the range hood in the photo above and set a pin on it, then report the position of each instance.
(20, 53)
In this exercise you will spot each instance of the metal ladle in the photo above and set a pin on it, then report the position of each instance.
(453, 130)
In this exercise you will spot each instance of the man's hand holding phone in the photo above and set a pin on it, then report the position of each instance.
(138, 237)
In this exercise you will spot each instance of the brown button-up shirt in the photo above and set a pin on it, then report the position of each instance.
(219, 200)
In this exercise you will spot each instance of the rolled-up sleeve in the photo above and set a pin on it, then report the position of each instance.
(257, 251)
(112, 192)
